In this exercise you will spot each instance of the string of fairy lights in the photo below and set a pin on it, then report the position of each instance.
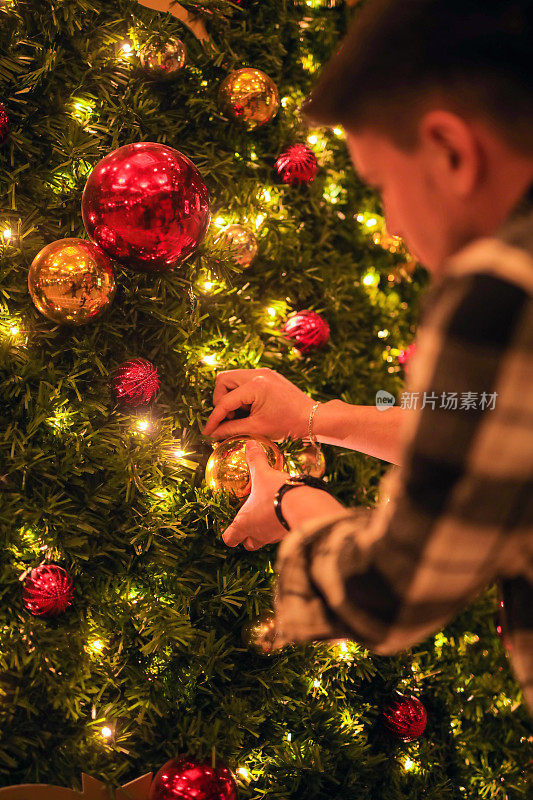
(16, 332)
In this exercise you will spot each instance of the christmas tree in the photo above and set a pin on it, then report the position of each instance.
(144, 657)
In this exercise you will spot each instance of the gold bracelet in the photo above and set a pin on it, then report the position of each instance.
(312, 437)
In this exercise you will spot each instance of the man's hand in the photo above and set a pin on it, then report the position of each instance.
(256, 523)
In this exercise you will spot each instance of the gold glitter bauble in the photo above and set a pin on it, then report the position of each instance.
(242, 244)
(248, 96)
(310, 461)
(227, 468)
(260, 634)
(164, 61)
(71, 281)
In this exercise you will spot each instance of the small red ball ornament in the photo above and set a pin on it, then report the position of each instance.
(296, 164)
(184, 778)
(136, 382)
(406, 355)
(4, 122)
(406, 717)
(307, 329)
(146, 206)
(48, 591)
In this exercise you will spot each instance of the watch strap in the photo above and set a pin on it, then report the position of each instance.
(292, 483)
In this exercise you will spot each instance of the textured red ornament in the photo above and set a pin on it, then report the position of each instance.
(4, 122)
(307, 329)
(48, 591)
(184, 778)
(135, 382)
(296, 164)
(406, 717)
(405, 355)
(146, 206)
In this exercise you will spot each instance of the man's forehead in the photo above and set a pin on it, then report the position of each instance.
(365, 149)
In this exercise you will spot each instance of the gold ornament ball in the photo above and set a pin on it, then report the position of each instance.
(260, 634)
(249, 96)
(71, 281)
(242, 243)
(164, 61)
(227, 468)
(310, 461)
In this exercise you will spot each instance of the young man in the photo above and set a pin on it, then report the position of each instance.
(436, 97)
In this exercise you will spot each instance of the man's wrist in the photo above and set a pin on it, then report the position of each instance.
(304, 502)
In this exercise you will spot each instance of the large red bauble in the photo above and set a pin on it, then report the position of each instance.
(47, 591)
(184, 778)
(406, 717)
(146, 206)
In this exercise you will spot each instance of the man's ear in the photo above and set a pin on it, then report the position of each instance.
(452, 149)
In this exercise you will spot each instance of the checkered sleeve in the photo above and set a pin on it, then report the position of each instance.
(390, 576)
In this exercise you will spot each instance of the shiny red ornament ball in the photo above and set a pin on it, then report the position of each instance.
(406, 717)
(307, 329)
(184, 778)
(146, 206)
(135, 382)
(297, 164)
(48, 590)
(4, 122)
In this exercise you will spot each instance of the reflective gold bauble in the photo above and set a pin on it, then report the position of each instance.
(71, 281)
(227, 468)
(248, 96)
(310, 461)
(260, 634)
(163, 61)
(242, 244)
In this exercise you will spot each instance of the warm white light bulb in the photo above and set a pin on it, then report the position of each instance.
(107, 732)
(271, 311)
(210, 359)
(368, 279)
(14, 330)
(244, 772)
(179, 453)
(408, 764)
(7, 233)
(371, 222)
(143, 425)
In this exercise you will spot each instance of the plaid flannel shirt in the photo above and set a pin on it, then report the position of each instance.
(460, 513)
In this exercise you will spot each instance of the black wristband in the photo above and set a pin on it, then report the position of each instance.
(306, 480)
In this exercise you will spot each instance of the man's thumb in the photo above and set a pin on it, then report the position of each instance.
(255, 455)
